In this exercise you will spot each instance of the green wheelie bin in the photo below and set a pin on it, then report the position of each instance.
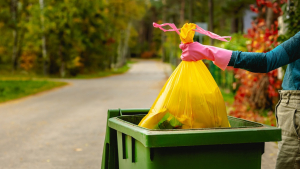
(129, 146)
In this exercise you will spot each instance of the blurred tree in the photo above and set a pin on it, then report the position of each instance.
(18, 17)
(63, 37)
(45, 60)
(74, 36)
(163, 37)
(14, 20)
(211, 19)
(174, 11)
(291, 17)
(182, 7)
(235, 10)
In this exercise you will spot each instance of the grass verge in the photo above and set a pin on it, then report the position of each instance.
(104, 73)
(6, 74)
(17, 85)
(16, 88)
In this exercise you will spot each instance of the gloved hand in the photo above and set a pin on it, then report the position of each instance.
(196, 51)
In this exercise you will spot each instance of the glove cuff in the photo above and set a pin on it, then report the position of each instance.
(222, 58)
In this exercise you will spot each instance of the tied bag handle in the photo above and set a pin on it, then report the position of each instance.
(172, 25)
(210, 34)
(199, 30)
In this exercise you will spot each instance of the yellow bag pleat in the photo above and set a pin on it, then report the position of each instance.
(190, 95)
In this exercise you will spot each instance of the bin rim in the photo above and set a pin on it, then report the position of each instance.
(215, 128)
(193, 137)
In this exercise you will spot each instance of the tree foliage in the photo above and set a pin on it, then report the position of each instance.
(291, 19)
(69, 37)
(81, 36)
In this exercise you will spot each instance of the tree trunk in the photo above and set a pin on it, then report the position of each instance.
(269, 17)
(62, 64)
(125, 44)
(19, 45)
(151, 28)
(234, 24)
(242, 24)
(211, 18)
(163, 39)
(15, 33)
(222, 23)
(182, 12)
(190, 11)
(259, 97)
(119, 50)
(182, 21)
(45, 60)
(142, 37)
(62, 69)
(15, 48)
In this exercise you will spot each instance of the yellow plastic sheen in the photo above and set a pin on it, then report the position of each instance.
(190, 95)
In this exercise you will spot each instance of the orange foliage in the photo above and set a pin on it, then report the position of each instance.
(257, 92)
(27, 60)
(147, 54)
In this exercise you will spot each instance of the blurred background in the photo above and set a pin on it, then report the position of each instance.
(85, 39)
(45, 44)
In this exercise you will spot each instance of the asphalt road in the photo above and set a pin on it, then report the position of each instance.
(65, 128)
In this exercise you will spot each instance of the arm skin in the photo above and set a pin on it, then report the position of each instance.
(285, 53)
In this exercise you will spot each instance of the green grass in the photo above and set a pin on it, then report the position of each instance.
(21, 83)
(13, 88)
(104, 73)
(21, 74)
(26, 75)
(228, 96)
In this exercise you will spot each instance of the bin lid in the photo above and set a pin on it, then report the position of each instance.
(242, 131)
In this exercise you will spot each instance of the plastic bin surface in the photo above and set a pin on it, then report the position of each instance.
(129, 146)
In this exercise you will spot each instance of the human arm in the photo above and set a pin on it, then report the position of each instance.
(285, 53)
(259, 62)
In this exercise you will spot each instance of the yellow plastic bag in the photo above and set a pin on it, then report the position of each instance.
(189, 99)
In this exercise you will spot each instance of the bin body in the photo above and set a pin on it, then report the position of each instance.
(134, 155)
(240, 146)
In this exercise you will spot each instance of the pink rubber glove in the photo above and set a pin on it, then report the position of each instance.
(196, 51)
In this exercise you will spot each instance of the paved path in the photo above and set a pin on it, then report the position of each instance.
(65, 128)
(269, 157)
